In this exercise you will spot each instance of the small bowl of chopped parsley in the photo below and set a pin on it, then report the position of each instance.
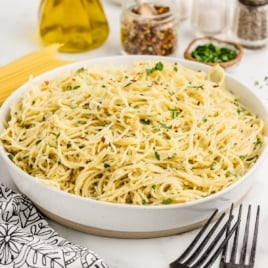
(212, 51)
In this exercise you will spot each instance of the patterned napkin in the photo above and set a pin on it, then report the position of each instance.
(26, 239)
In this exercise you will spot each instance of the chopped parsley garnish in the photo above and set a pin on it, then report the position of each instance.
(242, 157)
(56, 134)
(212, 53)
(261, 84)
(230, 173)
(258, 141)
(174, 112)
(159, 66)
(128, 84)
(157, 155)
(76, 87)
(82, 69)
(167, 201)
(11, 157)
(106, 165)
(197, 87)
(164, 126)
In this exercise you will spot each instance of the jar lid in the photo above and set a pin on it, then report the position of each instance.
(254, 2)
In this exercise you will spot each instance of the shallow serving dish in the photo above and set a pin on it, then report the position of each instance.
(220, 44)
(129, 221)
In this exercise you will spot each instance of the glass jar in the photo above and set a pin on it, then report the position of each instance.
(250, 25)
(210, 17)
(184, 8)
(78, 25)
(149, 28)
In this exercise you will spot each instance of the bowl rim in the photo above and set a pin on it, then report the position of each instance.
(15, 95)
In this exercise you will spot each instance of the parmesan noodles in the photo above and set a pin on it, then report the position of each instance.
(153, 133)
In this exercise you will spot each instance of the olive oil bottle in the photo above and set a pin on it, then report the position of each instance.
(78, 25)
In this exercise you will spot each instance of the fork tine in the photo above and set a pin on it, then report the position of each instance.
(222, 245)
(192, 258)
(204, 241)
(196, 239)
(224, 251)
(235, 242)
(214, 242)
(245, 238)
(255, 236)
(245, 242)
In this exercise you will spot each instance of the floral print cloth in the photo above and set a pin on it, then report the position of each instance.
(26, 239)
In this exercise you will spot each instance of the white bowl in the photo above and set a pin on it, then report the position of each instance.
(129, 221)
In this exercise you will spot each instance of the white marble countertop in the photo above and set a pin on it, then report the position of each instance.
(18, 31)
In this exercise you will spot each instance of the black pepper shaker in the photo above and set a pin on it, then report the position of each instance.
(250, 25)
(150, 27)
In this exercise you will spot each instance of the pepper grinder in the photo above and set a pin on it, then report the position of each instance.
(250, 26)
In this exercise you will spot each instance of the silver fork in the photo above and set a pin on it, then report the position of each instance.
(242, 262)
(199, 253)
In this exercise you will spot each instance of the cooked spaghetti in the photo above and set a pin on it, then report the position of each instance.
(153, 133)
